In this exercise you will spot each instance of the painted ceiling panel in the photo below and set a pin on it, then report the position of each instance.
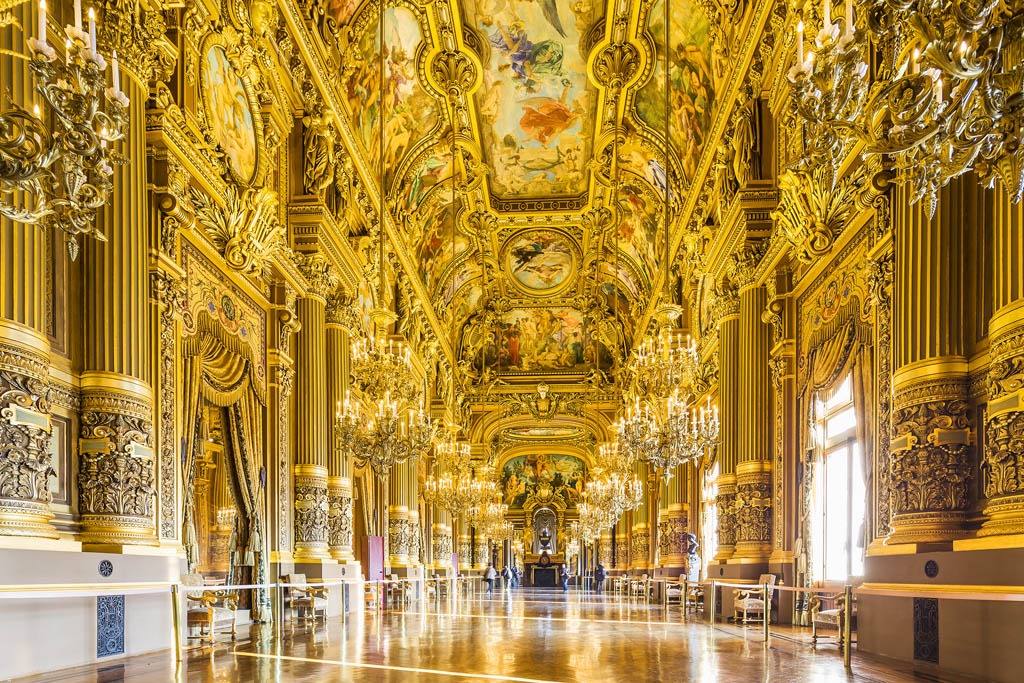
(536, 107)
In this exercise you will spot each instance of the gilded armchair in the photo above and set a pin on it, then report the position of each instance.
(209, 610)
(307, 601)
(831, 617)
(751, 601)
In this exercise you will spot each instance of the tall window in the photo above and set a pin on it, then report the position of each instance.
(709, 530)
(839, 492)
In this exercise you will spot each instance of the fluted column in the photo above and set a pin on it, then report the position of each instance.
(672, 527)
(640, 536)
(930, 463)
(312, 415)
(1003, 459)
(399, 527)
(729, 411)
(463, 538)
(339, 465)
(24, 347)
(412, 496)
(441, 538)
(116, 466)
(754, 466)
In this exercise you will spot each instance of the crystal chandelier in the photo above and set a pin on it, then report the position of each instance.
(946, 98)
(446, 487)
(391, 437)
(384, 369)
(662, 364)
(681, 435)
(64, 173)
(592, 521)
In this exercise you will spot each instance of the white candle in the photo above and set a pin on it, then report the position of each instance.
(849, 17)
(800, 41)
(938, 90)
(828, 16)
(116, 74)
(78, 14)
(42, 22)
(92, 31)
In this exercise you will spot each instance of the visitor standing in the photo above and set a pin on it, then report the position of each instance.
(489, 576)
(506, 577)
(565, 579)
(599, 575)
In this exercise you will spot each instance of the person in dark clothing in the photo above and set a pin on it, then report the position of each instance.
(565, 578)
(599, 576)
(506, 577)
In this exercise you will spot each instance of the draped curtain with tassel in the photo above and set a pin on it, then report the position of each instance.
(844, 349)
(219, 371)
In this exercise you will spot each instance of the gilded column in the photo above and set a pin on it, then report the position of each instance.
(399, 525)
(930, 463)
(116, 483)
(754, 466)
(640, 537)
(412, 500)
(339, 460)
(605, 548)
(465, 561)
(672, 527)
(727, 309)
(24, 347)
(1003, 460)
(620, 552)
(441, 539)
(312, 414)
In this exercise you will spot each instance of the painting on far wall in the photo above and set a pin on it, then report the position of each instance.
(550, 475)
(435, 249)
(531, 340)
(230, 116)
(692, 89)
(540, 260)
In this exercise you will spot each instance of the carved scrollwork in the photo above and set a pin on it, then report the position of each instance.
(24, 445)
(754, 511)
(340, 522)
(322, 276)
(814, 208)
(114, 484)
(245, 230)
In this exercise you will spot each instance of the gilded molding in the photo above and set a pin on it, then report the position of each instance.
(312, 512)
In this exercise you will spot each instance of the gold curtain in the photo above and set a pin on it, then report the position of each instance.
(846, 352)
(224, 377)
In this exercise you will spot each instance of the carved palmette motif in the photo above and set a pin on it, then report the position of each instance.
(311, 512)
(928, 472)
(116, 484)
(1003, 460)
(672, 537)
(726, 503)
(340, 520)
(754, 512)
(640, 545)
(400, 537)
(442, 547)
(24, 449)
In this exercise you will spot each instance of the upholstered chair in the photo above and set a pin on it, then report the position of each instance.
(830, 611)
(209, 610)
(751, 602)
(307, 601)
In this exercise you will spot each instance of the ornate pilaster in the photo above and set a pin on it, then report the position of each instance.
(932, 436)
(313, 415)
(880, 283)
(116, 464)
(1003, 460)
(781, 367)
(621, 550)
(753, 470)
(672, 526)
(441, 540)
(640, 546)
(729, 402)
(24, 348)
(605, 549)
(339, 465)
(725, 501)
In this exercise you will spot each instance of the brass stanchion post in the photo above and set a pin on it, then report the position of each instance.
(847, 626)
(176, 615)
(767, 610)
(712, 613)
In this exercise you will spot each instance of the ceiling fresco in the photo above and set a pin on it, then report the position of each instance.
(536, 107)
(548, 242)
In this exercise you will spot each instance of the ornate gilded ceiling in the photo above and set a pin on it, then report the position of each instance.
(548, 249)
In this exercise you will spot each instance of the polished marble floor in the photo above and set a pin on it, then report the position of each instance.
(520, 635)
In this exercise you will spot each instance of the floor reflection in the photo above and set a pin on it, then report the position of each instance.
(521, 635)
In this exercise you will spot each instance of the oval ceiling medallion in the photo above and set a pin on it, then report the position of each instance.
(541, 262)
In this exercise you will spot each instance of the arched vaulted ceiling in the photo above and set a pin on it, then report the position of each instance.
(545, 251)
